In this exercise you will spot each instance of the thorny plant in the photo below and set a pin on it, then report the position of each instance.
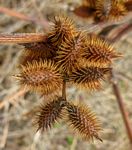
(66, 55)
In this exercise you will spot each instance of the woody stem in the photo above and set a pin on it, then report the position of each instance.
(122, 107)
(22, 38)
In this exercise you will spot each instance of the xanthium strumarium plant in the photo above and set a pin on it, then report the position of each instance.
(67, 55)
(104, 10)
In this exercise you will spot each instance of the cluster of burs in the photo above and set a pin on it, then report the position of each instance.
(70, 56)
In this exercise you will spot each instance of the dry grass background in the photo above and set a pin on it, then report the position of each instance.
(16, 130)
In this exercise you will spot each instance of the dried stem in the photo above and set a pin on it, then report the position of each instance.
(117, 33)
(101, 25)
(22, 38)
(18, 15)
(113, 36)
(124, 75)
(122, 107)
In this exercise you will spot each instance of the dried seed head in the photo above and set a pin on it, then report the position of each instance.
(50, 113)
(118, 10)
(40, 76)
(70, 52)
(83, 121)
(36, 51)
(63, 29)
(98, 52)
(109, 10)
(89, 77)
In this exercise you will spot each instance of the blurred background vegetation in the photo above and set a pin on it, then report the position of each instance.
(16, 107)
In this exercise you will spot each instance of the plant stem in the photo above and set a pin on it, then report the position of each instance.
(20, 38)
(122, 107)
(21, 16)
(118, 33)
(64, 90)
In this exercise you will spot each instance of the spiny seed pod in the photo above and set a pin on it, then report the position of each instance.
(70, 52)
(109, 10)
(36, 51)
(83, 121)
(63, 29)
(98, 52)
(40, 76)
(89, 77)
(50, 113)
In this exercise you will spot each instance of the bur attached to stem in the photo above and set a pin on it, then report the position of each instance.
(110, 10)
(40, 76)
(98, 52)
(66, 55)
(89, 77)
(62, 29)
(83, 121)
(50, 113)
(70, 52)
(103, 10)
(36, 51)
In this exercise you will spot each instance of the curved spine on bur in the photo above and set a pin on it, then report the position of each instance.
(83, 121)
(40, 76)
(50, 113)
(63, 28)
(98, 52)
(70, 52)
(89, 77)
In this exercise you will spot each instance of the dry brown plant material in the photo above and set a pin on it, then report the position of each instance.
(99, 52)
(40, 76)
(83, 121)
(46, 65)
(103, 10)
(89, 77)
(50, 113)
(110, 9)
(70, 52)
